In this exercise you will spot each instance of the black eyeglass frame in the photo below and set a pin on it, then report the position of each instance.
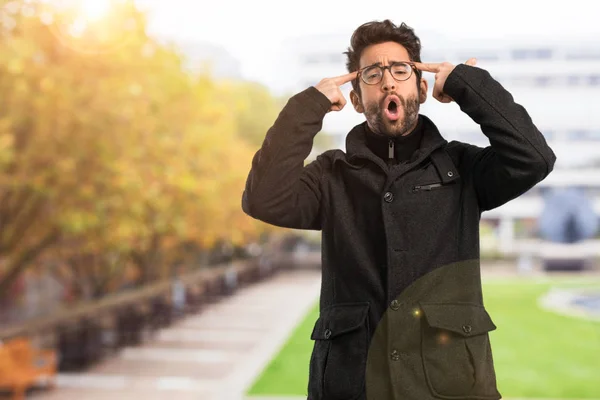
(384, 67)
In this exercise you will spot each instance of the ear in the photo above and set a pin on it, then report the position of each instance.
(355, 98)
(423, 91)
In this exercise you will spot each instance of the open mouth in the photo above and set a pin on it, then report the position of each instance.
(392, 109)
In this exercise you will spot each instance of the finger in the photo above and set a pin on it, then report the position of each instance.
(471, 62)
(443, 97)
(446, 99)
(428, 67)
(340, 80)
(341, 103)
(338, 105)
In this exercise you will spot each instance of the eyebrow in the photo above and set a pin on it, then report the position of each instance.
(378, 63)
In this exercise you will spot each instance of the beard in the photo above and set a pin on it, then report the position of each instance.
(400, 127)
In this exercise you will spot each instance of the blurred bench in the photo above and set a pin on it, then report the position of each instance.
(574, 257)
(79, 344)
(22, 366)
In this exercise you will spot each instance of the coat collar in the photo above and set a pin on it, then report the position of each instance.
(357, 148)
(399, 148)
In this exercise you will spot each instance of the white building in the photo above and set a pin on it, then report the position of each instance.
(557, 81)
(207, 57)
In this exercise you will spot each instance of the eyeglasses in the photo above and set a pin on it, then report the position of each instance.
(373, 74)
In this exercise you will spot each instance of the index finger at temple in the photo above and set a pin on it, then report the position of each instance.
(428, 67)
(340, 80)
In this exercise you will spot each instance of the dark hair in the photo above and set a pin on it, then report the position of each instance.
(376, 32)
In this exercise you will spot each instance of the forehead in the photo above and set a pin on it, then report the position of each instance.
(383, 53)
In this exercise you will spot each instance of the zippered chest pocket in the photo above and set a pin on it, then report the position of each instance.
(427, 187)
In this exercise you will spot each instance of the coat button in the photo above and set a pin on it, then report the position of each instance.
(388, 196)
(394, 355)
(467, 328)
(395, 304)
(450, 174)
(327, 333)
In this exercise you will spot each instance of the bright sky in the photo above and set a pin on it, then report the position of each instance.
(252, 31)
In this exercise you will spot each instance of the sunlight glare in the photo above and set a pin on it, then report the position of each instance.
(94, 10)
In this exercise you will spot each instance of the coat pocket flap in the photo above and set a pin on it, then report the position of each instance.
(463, 319)
(339, 319)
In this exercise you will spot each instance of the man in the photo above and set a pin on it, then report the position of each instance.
(401, 305)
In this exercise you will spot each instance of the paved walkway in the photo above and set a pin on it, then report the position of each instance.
(216, 354)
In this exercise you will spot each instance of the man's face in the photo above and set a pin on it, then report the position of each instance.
(391, 107)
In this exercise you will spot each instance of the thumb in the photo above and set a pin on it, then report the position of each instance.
(471, 62)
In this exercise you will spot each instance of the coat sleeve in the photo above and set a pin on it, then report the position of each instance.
(518, 156)
(280, 189)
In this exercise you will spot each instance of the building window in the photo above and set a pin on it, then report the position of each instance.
(573, 80)
(588, 54)
(578, 134)
(582, 134)
(532, 54)
(543, 81)
(593, 135)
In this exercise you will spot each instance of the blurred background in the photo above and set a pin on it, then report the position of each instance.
(127, 130)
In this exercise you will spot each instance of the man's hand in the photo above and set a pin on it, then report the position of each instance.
(330, 87)
(441, 70)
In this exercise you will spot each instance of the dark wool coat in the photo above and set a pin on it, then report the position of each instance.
(401, 307)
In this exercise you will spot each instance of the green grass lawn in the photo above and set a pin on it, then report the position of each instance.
(537, 353)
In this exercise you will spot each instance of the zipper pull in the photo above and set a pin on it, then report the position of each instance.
(391, 149)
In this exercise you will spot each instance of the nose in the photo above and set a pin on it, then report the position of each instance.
(388, 82)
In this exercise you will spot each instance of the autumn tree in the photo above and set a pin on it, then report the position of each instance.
(110, 151)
